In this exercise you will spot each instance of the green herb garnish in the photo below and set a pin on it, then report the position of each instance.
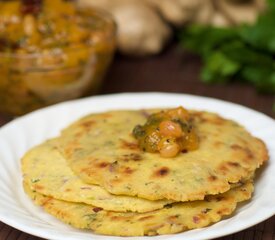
(244, 53)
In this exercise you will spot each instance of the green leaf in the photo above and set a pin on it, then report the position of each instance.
(202, 39)
(245, 53)
(218, 68)
(262, 78)
(239, 52)
(271, 5)
(262, 34)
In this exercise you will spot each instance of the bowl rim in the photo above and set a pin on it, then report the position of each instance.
(106, 16)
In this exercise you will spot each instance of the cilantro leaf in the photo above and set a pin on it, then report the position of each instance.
(218, 67)
(244, 53)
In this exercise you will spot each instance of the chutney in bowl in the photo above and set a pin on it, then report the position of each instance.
(51, 51)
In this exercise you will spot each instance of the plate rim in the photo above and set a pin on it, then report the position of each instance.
(36, 232)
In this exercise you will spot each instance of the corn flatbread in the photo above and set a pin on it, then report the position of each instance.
(46, 171)
(100, 149)
(176, 218)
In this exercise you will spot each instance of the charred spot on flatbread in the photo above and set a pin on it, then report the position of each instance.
(161, 172)
(226, 151)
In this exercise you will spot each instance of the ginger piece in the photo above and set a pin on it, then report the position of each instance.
(223, 13)
(210, 12)
(219, 20)
(140, 30)
(176, 12)
(205, 13)
(143, 25)
(244, 11)
(103, 4)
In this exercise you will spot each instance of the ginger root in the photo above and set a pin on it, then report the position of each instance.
(144, 26)
(240, 11)
(140, 30)
(176, 12)
(212, 12)
(145, 32)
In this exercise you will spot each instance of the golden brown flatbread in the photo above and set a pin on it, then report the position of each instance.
(100, 149)
(46, 172)
(174, 218)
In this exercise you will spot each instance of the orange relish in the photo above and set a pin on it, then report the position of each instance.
(167, 132)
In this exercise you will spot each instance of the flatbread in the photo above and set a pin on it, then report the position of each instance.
(174, 218)
(46, 171)
(100, 149)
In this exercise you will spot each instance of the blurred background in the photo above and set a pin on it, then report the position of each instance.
(53, 51)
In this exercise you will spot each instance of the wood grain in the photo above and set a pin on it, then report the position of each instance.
(176, 71)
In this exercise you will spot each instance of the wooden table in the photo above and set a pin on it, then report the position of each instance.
(174, 71)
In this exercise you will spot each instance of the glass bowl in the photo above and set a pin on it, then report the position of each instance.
(32, 81)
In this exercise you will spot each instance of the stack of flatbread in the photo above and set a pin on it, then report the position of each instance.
(95, 176)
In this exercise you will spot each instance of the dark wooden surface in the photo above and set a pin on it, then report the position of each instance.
(174, 71)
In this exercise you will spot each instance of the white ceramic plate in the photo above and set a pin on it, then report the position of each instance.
(21, 134)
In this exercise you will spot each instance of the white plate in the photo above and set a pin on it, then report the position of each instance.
(21, 134)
